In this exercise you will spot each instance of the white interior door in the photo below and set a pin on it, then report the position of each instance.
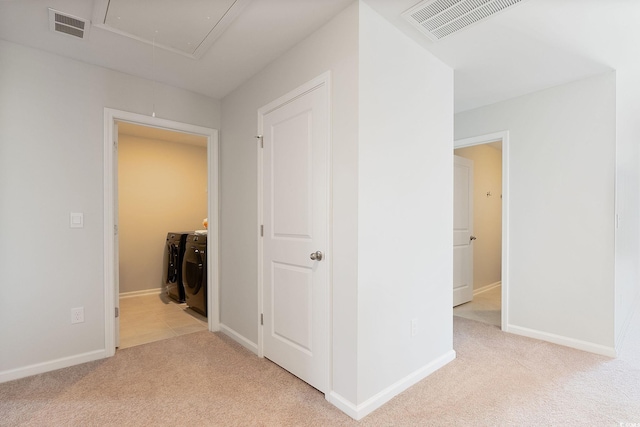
(116, 239)
(462, 230)
(295, 199)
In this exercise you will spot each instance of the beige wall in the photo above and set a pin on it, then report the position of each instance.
(162, 187)
(487, 213)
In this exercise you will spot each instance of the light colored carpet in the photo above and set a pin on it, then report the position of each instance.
(205, 379)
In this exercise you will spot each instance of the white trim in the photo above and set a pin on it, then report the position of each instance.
(240, 339)
(360, 411)
(323, 80)
(329, 259)
(346, 406)
(484, 139)
(110, 117)
(213, 231)
(635, 311)
(260, 159)
(561, 340)
(144, 292)
(108, 237)
(481, 139)
(486, 288)
(51, 365)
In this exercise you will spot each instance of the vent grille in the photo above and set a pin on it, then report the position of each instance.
(68, 24)
(67, 20)
(438, 19)
(69, 30)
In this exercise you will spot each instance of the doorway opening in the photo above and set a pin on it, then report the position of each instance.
(488, 156)
(146, 140)
(162, 198)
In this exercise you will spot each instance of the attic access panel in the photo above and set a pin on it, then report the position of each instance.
(189, 27)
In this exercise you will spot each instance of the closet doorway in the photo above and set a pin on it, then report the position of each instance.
(489, 156)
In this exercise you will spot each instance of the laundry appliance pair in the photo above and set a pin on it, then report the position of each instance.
(185, 269)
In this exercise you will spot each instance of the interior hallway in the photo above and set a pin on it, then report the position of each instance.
(149, 318)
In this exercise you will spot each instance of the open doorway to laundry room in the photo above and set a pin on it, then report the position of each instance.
(161, 179)
(162, 198)
(485, 158)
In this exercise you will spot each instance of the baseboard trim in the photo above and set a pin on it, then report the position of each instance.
(486, 288)
(154, 291)
(346, 406)
(360, 411)
(52, 365)
(562, 340)
(239, 338)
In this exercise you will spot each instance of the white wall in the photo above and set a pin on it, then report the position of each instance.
(627, 198)
(562, 171)
(487, 213)
(391, 252)
(333, 47)
(51, 144)
(405, 208)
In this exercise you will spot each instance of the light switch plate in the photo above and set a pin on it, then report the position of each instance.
(76, 220)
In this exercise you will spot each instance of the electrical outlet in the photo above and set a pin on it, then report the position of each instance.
(414, 327)
(77, 315)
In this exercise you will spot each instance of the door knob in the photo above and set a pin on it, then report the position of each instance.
(472, 238)
(316, 256)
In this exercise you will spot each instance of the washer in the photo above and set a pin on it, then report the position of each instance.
(194, 272)
(172, 270)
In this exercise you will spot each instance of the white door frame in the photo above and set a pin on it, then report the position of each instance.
(322, 80)
(504, 138)
(110, 161)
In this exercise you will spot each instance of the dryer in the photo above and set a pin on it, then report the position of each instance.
(172, 265)
(194, 272)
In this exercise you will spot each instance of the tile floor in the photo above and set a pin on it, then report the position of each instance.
(486, 307)
(149, 318)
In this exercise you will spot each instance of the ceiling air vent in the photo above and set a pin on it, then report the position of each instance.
(438, 19)
(68, 24)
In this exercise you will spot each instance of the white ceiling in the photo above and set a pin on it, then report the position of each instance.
(264, 30)
(532, 46)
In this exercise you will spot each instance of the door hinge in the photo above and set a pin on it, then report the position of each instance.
(262, 231)
(115, 228)
(117, 311)
(261, 319)
(259, 137)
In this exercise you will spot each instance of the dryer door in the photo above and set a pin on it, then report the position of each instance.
(171, 254)
(193, 269)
